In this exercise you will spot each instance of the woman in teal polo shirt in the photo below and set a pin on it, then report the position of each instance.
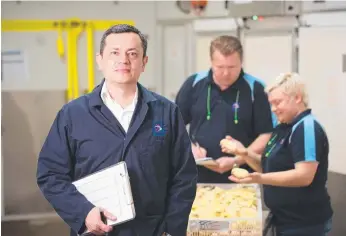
(294, 167)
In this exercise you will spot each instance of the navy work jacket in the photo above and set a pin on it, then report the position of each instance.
(85, 137)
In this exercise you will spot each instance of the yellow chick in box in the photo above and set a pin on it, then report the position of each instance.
(240, 173)
(231, 146)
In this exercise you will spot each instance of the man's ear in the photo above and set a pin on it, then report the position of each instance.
(98, 61)
(145, 61)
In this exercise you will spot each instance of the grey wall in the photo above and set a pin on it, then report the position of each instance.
(26, 119)
(46, 70)
(49, 72)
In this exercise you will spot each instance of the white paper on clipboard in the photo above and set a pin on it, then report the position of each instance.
(110, 189)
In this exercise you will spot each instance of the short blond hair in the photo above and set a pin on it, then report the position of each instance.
(292, 84)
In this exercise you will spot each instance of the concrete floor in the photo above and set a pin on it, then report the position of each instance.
(35, 228)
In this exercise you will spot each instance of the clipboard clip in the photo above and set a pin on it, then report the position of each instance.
(125, 187)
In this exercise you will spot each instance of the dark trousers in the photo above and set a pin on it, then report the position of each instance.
(312, 230)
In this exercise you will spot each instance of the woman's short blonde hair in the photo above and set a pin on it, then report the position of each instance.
(292, 84)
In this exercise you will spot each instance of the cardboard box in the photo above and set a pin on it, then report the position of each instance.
(226, 209)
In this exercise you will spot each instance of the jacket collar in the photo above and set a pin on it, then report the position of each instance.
(144, 95)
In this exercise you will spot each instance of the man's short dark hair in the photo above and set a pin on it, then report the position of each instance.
(124, 28)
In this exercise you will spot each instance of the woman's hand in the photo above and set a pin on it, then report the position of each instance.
(252, 178)
(233, 146)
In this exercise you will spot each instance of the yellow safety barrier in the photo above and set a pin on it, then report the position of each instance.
(72, 64)
(74, 27)
(60, 44)
(51, 25)
(28, 25)
(90, 56)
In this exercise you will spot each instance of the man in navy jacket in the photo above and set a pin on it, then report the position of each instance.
(121, 121)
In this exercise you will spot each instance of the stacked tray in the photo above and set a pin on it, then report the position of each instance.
(226, 209)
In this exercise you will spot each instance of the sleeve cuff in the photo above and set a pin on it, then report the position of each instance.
(80, 225)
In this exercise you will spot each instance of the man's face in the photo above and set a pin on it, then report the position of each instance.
(226, 69)
(122, 59)
(284, 106)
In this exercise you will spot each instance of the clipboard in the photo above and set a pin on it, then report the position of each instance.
(207, 161)
(110, 189)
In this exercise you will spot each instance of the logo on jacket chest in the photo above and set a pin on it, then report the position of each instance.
(158, 129)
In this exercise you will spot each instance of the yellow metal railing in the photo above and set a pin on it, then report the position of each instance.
(74, 28)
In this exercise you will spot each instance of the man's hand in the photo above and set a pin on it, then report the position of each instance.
(224, 164)
(198, 151)
(94, 223)
(232, 146)
(253, 178)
